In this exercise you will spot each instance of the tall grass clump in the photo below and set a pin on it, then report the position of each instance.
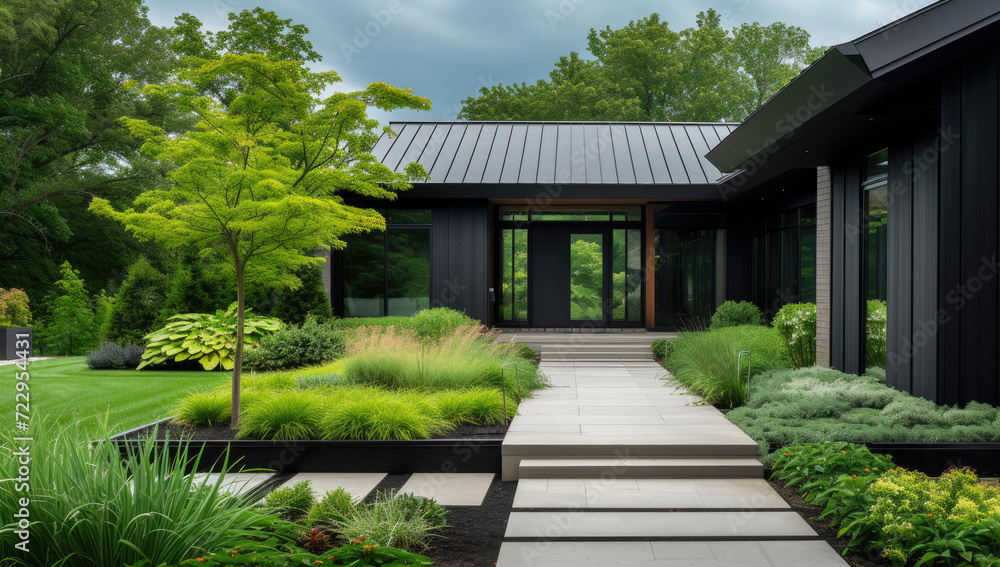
(705, 362)
(466, 358)
(404, 521)
(281, 416)
(479, 406)
(89, 506)
(205, 408)
(373, 415)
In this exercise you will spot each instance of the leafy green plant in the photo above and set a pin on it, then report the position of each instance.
(439, 322)
(282, 415)
(294, 346)
(111, 356)
(208, 339)
(796, 323)
(14, 310)
(705, 362)
(91, 506)
(736, 313)
(331, 509)
(205, 408)
(480, 406)
(136, 306)
(292, 503)
(296, 306)
(875, 333)
(403, 521)
(813, 466)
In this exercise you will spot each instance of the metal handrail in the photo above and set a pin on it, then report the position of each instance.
(739, 368)
(503, 383)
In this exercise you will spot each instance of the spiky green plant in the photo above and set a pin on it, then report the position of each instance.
(279, 416)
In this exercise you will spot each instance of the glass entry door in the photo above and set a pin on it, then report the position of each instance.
(571, 276)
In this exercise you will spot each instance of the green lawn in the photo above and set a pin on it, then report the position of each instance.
(64, 389)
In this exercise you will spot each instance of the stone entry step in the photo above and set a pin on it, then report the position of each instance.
(652, 493)
(670, 553)
(576, 524)
(641, 468)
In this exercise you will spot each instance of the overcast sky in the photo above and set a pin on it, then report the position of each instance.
(447, 49)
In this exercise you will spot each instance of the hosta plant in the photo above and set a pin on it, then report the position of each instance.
(208, 339)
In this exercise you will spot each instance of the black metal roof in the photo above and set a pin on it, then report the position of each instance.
(853, 74)
(584, 153)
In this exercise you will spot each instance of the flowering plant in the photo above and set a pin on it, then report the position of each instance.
(796, 322)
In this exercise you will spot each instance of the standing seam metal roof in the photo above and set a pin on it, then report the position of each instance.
(604, 153)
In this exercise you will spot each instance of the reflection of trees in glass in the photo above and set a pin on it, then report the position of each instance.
(514, 288)
(586, 261)
(409, 275)
(364, 275)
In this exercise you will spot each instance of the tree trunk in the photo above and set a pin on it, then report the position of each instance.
(238, 358)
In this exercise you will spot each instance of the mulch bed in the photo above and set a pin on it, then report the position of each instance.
(475, 532)
(810, 514)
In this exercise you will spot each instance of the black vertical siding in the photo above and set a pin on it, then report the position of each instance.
(900, 270)
(978, 346)
(949, 361)
(459, 259)
(924, 320)
(847, 302)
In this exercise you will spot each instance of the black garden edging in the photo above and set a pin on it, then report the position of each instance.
(934, 458)
(427, 455)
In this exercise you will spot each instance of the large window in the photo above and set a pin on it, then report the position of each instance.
(388, 273)
(877, 208)
(785, 259)
(685, 277)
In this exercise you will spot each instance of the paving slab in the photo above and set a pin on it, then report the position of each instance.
(670, 554)
(358, 485)
(715, 525)
(235, 483)
(658, 493)
(450, 489)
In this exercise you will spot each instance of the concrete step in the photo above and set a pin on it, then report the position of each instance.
(662, 467)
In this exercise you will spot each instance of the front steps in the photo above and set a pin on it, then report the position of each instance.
(701, 468)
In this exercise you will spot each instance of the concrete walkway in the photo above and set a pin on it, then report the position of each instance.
(617, 466)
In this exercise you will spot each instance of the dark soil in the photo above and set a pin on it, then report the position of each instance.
(810, 514)
(223, 432)
(476, 532)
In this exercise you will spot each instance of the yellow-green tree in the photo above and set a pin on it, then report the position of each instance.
(258, 184)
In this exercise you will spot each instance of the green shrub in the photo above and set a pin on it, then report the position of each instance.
(331, 509)
(137, 304)
(705, 362)
(439, 322)
(403, 521)
(295, 306)
(110, 356)
(526, 352)
(875, 333)
(14, 311)
(354, 554)
(375, 415)
(292, 503)
(296, 346)
(208, 339)
(283, 415)
(352, 323)
(205, 408)
(796, 323)
(481, 406)
(736, 313)
(196, 287)
(68, 327)
(91, 506)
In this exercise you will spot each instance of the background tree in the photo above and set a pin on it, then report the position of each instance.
(136, 307)
(258, 184)
(645, 71)
(67, 327)
(65, 63)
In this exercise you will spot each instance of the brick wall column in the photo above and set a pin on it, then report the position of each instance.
(824, 257)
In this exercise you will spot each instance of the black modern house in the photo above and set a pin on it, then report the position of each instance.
(872, 175)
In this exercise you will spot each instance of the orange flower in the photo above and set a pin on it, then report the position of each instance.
(843, 452)
(370, 547)
(930, 515)
(317, 562)
(868, 470)
(788, 454)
